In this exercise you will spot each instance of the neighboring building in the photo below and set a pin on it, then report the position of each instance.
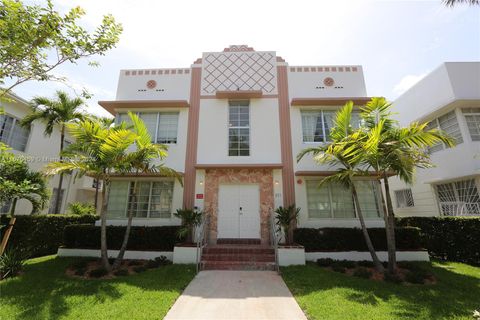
(449, 99)
(234, 122)
(39, 150)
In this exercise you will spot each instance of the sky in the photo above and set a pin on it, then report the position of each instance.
(396, 42)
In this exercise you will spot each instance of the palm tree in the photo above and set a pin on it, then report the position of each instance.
(17, 181)
(394, 150)
(344, 151)
(100, 152)
(451, 3)
(55, 112)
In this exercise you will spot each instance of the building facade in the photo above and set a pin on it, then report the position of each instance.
(234, 123)
(449, 99)
(39, 150)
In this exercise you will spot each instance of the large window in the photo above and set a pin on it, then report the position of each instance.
(449, 124)
(335, 201)
(316, 124)
(147, 199)
(162, 126)
(239, 128)
(12, 133)
(472, 116)
(459, 197)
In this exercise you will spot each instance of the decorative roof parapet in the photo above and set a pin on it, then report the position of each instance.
(236, 48)
(146, 72)
(325, 69)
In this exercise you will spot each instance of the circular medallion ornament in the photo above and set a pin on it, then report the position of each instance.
(151, 84)
(328, 82)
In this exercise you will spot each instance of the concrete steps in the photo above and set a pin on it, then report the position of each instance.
(238, 257)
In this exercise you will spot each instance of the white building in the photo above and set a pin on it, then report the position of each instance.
(449, 99)
(39, 150)
(234, 122)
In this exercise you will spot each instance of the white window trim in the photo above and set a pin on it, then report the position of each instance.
(149, 200)
(325, 140)
(158, 113)
(249, 130)
(465, 115)
(404, 192)
(12, 129)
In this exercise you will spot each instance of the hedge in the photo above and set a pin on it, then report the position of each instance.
(41, 235)
(449, 238)
(351, 239)
(141, 238)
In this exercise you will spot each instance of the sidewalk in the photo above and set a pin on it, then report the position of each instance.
(236, 295)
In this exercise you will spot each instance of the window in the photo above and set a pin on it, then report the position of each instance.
(53, 200)
(239, 128)
(404, 198)
(449, 124)
(472, 116)
(147, 199)
(12, 133)
(460, 197)
(316, 124)
(162, 126)
(335, 201)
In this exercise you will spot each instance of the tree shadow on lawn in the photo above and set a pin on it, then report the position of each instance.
(44, 288)
(454, 294)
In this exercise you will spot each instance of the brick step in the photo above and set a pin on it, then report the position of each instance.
(238, 257)
(238, 241)
(238, 250)
(237, 265)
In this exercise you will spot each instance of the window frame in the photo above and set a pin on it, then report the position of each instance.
(435, 124)
(249, 127)
(154, 135)
(453, 185)
(469, 112)
(15, 124)
(407, 195)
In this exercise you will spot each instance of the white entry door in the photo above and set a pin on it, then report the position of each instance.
(239, 211)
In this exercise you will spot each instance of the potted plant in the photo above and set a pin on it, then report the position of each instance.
(286, 220)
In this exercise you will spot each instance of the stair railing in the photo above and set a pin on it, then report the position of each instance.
(274, 238)
(201, 236)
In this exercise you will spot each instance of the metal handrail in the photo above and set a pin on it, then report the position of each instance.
(274, 238)
(201, 233)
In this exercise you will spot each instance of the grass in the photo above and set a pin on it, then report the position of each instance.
(44, 292)
(324, 294)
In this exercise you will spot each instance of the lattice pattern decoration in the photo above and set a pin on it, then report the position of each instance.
(239, 71)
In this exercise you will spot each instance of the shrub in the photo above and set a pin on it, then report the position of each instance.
(139, 269)
(152, 264)
(135, 263)
(325, 262)
(98, 273)
(141, 238)
(163, 261)
(81, 209)
(417, 277)
(79, 264)
(42, 234)
(346, 263)
(393, 278)
(351, 239)
(80, 272)
(11, 262)
(121, 272)
(449, 238)
(366, 264)
(338, 267)
(362, 272)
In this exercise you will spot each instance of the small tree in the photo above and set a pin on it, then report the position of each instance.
(345, 154)
(55, 112)
(17, 181)
(36, 39)
(393, 150)
(286, 219)
(190, 220)
(101, 152)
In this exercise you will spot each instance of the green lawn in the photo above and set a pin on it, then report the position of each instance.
(44, 292)
(324, 294)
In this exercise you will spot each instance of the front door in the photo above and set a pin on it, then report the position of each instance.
(239, 211)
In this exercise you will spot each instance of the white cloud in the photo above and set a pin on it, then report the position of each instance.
(407, 82)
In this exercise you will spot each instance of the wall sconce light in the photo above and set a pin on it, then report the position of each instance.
(201, 182)
(276, 182)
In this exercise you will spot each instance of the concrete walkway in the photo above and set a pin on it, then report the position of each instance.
(236, 295)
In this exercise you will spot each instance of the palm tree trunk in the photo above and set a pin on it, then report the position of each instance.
(95, 202)
(103, 228)
(376, 261)
(390, 228)
(8, 231)
(121, 253)
(60, 180)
